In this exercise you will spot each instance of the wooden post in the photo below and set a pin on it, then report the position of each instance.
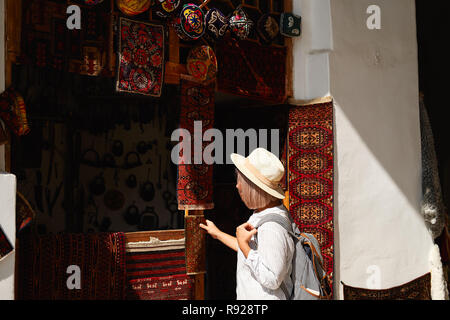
(199, 279)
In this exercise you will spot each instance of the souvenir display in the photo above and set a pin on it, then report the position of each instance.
(240, 23)
(141, 58)
(290, 25)
(133, 7)
(311, 174)
(202, 63)
(166, 8)
(216, 23)
(267, 28)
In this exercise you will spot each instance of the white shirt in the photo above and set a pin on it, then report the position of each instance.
(268, 264)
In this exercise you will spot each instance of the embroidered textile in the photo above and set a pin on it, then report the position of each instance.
(311, 174)
(141, 58)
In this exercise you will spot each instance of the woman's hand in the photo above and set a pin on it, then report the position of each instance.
(211, 228)
(243, 235)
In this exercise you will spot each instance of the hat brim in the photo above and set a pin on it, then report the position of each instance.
(238, 161)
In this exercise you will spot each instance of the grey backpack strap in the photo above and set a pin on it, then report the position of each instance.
(286, 224)
(273, 217)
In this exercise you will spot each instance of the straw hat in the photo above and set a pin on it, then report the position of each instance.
(263, 168)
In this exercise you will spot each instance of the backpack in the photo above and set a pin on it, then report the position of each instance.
(310, 281)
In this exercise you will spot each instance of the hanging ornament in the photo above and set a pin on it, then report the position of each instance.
(166, 8)
(202, 63)
(133, 7)
(290, 24)
(190, 23)
(267, 28)
(216, 23)
(240, 23)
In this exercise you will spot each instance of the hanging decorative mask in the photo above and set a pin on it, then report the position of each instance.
(240, 23)
(190, 24)
(133, 7)
(166, 8)
(267, 28)
(216, 23)
(290, 24)
(202, 63)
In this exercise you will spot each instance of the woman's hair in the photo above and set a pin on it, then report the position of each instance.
(252, 195)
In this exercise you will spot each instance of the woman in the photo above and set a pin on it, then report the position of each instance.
(264, 254)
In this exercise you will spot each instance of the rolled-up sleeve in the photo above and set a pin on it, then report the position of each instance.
(269, 264)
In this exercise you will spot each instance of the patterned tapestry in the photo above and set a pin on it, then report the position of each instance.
(417, 289)
(195, 245)
(158, 275)
(195, 181)
(311, 174)
(44, 261)
(140, 58)
(251, 70)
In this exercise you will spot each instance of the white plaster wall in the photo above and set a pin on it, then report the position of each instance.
(373, 77)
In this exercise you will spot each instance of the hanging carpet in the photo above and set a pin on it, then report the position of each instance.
(195, 181)
(310, 158)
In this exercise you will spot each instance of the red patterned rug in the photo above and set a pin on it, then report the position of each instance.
(141, 58)
(417, 289)
(43, 263)
(195, 181)
(251, 70)
(158, 275)
(311, 174)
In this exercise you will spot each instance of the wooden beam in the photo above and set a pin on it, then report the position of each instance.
(162, 235)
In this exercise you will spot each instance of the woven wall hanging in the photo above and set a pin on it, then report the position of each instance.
(141, 58)
(311, 174)
(195, 181)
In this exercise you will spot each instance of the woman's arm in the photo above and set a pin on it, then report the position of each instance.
(223, 237)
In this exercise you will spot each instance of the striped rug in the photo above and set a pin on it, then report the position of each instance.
(158, 275)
